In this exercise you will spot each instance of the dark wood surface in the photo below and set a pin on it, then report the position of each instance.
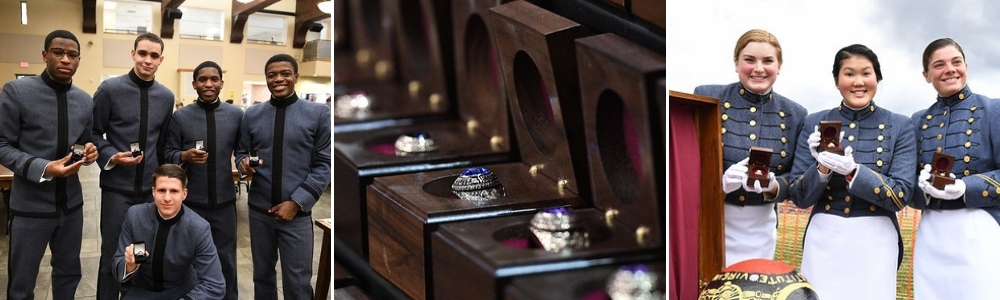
(341, 277)
(367, 55)
(323, 271)
(350, 293)
(617, 78)
(471, 251)
(539, 66)
(425, 66)
(711, 224)
(404, 210)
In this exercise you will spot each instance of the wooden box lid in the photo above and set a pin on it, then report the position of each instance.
(370, 44)
(539, 69)
(424, 38)
(619, 80)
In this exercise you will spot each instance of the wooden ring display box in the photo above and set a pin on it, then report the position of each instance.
(475, 259)
(404, 210)
(829, 136)
(941, 170)
(480, 136)
(362, 52)
(419, 86)
(590, 283)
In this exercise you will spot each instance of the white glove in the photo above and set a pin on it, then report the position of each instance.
(950, 192)
(843, 165)
(735, 177)
(771, 185)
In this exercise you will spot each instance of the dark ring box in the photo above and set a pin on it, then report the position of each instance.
(759, 166)
(829, 133)
(940, 168)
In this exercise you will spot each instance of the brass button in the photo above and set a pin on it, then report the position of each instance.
(872, 208)
(847, 210)
(973, 108)
(888, 193)
(998, 190)
(784, 140)
(966, 158)
(742, 198)
(753, 136)
(781, 113)
(753, 123)
(920, 152)
(939, 149)
(725, 117)
(968, 144)
(753, 109)
(972, 119)
(986, 194)
(941, 125)
(945, 113)
(726, 104)
(783, 153)
(878, 162)
(852, 125)
(900, 194)
(847, 198)
(966, 172)
(881, 126)
(829, 198)
(877, 190)
(929, 116)
(921, 164)
(828, 188)
(827, 207)
(742, 91)
(879, 149)
(961, 96)
(968, 132)
(780, 167)
(924, 127)
(850, 138)
(880, 138)
(723, 130)
(782, 125)
(939, 136)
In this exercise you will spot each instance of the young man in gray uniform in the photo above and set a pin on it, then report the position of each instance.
(131, 114)
(165, 250)
(43, 117)
(285, 144)
(201, 138)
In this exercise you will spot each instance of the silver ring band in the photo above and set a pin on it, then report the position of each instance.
(634, 282)
(481, 195)
(475, 179)
(415, 142)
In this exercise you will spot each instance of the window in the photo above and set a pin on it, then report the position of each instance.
(267, 29)
(128, 17)
(200, 23)
(323, 34)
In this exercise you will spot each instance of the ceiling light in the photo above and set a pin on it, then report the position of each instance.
(244, 1)
(24, 13)
(326, 7)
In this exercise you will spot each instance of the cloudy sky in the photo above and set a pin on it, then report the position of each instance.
(701, 35)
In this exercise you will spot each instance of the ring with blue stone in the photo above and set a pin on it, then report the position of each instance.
(554, 219)
(481, 195)
(475, 179)
(415, 142)
(636, 281)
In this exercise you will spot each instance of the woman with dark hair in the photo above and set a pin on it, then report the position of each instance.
(753, 115)
(958, 236)
(852, 247)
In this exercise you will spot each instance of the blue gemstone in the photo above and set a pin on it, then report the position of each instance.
(562, 211)
(636, 268)
(418, 135)
(475, 171)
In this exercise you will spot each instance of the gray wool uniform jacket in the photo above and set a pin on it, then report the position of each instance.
(210, 185)
(41, 120)
(128, 109)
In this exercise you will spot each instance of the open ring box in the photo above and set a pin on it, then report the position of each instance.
(941, 170)
(400, 60)
(475, 260)
(478, 136)
(404, 210)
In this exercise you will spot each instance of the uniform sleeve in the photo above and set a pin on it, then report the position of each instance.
(11, 156)
(785, 180)
(243, 143)
(318, 179)
(919, 199)
(174, 143)
(211, 284)
(891, 191)
(981, 190)
(102, 113)
(805, 183)
(124, 239)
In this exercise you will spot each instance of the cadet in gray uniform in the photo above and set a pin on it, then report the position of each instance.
(215, 128)
(180, 258)
(753, 115)
(855, 196)
(129, 109)
(292, 139)
(42, 118)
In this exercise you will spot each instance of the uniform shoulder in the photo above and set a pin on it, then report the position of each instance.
(710, 90)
